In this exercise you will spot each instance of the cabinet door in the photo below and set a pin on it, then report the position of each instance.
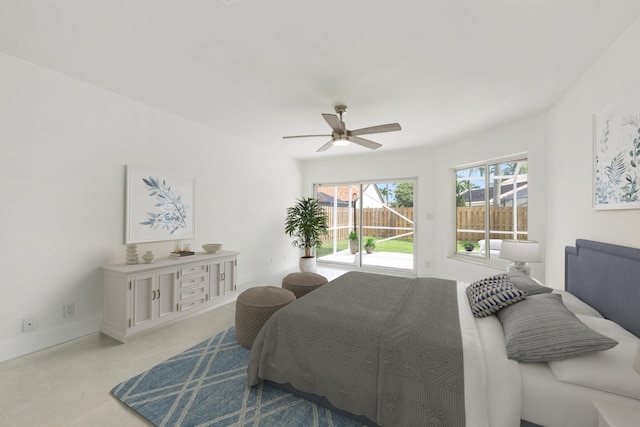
(222, 277)
(143, 292)
(229, 276)
(166, 293)
(215, 279)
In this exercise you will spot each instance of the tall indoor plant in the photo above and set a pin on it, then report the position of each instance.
(306, 222)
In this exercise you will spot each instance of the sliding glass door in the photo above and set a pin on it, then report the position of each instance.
(371, 224)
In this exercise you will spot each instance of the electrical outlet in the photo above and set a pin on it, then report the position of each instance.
(29, 324)
(69, 310)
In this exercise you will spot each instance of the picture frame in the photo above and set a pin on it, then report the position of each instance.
(160, 206)
(616, 154)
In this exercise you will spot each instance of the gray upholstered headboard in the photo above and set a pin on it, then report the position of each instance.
(607, 277)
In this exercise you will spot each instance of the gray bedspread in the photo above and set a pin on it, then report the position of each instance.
(383, 347)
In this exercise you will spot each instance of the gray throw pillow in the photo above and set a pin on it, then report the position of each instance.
(491, 294)
(542, 329)
(527, 284)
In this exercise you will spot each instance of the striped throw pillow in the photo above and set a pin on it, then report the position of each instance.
(491, 294)
(542, 329)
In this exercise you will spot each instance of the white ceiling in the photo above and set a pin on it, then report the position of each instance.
(262, 69)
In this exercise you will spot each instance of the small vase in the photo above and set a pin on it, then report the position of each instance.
(149, 257)
(132, 254)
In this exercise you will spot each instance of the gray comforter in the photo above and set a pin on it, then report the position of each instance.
(382, 347)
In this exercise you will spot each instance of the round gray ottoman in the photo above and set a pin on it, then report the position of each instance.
(254, 307)
(303, 283)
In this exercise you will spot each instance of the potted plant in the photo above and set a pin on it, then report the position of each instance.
(306, 222)
(369, 244)
(468, 246)
(353, 242)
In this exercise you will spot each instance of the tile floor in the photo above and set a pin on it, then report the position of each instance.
(70, 384)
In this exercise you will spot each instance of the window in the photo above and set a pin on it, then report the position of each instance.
(492, 202)
(362, 213)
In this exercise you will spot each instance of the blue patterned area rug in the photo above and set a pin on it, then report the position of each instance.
(207, 386)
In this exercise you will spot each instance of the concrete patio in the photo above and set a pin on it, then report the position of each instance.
(374, 259)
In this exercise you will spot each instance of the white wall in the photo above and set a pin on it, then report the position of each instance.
(435, 211)
(63, 149)
(526, 136)
(570, 159)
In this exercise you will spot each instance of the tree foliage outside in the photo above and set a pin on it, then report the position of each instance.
(404, 195)
(386, 192)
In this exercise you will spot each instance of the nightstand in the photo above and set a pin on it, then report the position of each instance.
(617, 415)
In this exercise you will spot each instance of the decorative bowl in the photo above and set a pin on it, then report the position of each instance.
(212, 248)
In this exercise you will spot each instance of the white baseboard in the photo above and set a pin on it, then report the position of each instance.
(44, 338)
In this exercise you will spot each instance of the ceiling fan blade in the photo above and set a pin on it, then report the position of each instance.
(303, 136)
(325, 147)
(365, 142)
(334, 122)
(391, 127)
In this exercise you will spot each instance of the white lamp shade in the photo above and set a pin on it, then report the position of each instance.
(636, 361)
(520, 250)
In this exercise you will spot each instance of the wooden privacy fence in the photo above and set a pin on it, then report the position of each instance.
(377, 222)
(500, 219)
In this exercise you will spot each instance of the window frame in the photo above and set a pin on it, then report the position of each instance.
(366, 266)
(485, 259)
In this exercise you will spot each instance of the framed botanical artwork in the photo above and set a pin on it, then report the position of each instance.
(616, 154)
(160, 206)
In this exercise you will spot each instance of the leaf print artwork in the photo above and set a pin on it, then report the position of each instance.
(617, 155)
(160, 206)
(171, 214)
(615, 170)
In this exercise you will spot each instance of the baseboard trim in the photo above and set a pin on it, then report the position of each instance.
(30, 342)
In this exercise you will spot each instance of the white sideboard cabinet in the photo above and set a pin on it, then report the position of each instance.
(138, 297)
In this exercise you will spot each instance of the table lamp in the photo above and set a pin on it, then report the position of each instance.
(520, 252)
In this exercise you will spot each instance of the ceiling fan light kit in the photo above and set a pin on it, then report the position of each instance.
(341, 141)
(342, 136)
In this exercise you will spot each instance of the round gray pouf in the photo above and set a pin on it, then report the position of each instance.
(303, 283)
(254, 307)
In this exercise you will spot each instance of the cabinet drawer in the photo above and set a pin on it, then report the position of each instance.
(191, 304)
(194, 269)
(194, 291)
(193, 281)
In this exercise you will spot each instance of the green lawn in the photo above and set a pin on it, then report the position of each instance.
(402, 245)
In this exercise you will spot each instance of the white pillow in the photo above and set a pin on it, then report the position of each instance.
(576, 305)
(611, 370)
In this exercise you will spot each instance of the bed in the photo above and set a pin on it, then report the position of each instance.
(399, 351)
(606, 278)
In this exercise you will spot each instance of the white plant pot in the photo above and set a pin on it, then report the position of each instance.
(308, 265)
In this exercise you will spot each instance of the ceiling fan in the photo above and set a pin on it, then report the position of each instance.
(343, 136)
